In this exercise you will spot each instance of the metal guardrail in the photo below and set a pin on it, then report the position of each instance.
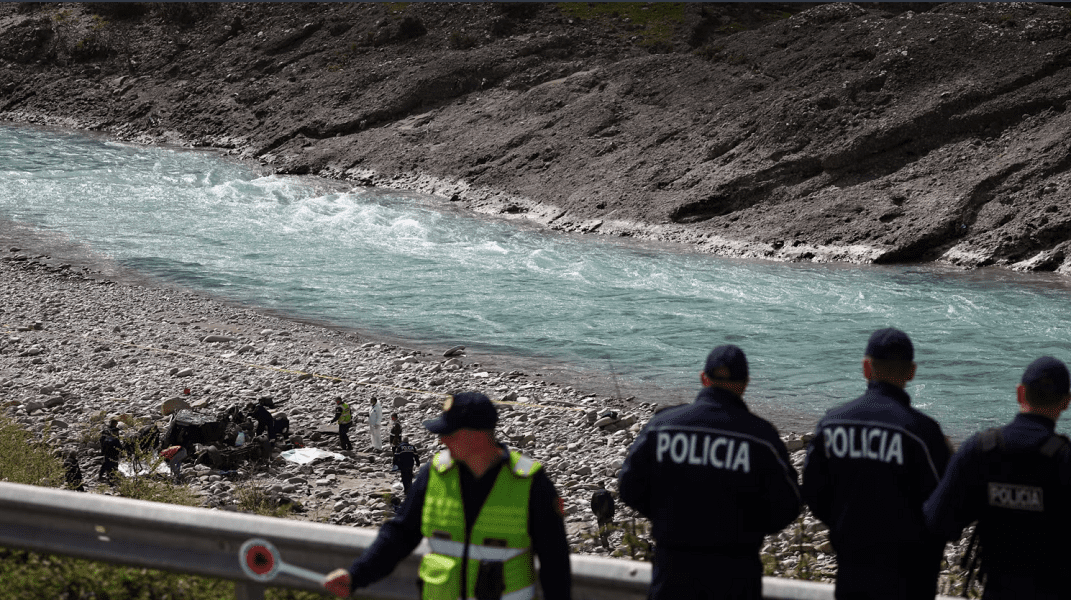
(207, 542)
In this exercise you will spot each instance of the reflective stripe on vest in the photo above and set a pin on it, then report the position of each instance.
(476, 552)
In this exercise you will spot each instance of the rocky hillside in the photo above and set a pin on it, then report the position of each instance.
(857, 132)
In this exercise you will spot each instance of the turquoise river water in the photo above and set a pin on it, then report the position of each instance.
(642, 316)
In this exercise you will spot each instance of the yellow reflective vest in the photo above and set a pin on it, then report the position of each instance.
(346, 415)
(497, 559)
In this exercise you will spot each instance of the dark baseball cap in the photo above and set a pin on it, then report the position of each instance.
(1048, 374)
(732, 358)
(890, 344)
(467, 410)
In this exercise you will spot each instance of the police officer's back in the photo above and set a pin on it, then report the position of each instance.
(406, 459)
(406, 456)
(870, 466)
(111, 448)
(1016, 482)
(713, 479)
(602, 505)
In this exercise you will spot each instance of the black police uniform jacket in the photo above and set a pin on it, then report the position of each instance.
(406, 458)
(1018, 486)
(871, 465)
(711, 477)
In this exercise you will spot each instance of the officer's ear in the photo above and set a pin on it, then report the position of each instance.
(1020, 396)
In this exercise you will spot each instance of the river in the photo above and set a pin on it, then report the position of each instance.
(636, 318)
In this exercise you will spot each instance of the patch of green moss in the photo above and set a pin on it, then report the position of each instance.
(653, 22)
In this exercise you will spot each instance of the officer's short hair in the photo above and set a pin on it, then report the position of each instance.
(897, 370)
(1042, 397)
(1046, 382)
(726, 363)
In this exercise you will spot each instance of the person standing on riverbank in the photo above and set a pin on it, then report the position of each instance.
(1016, 482)
(714, 480)
(871, 465)
(395, 431)
(485, 511)
(375, 424)
(406, 459)
(111, 448)
(344, 417)
(265, 422)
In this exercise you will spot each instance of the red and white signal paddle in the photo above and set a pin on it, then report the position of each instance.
(260, 560)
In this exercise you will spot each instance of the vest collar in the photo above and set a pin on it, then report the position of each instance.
(520, 465)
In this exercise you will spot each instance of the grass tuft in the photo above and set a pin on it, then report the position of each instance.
(24, 459)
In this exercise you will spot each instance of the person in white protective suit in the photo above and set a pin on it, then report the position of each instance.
(375, 420)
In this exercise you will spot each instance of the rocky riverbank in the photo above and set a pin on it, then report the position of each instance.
(77, 346)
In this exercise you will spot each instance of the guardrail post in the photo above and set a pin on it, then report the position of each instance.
(247, 590)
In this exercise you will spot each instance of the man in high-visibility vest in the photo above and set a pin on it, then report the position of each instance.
(344, 416)
(485, 511)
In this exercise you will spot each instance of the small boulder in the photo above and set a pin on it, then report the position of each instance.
(218, 338)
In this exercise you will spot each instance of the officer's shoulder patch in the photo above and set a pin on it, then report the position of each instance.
(1053, 445)
(991, 439)
(442, 461)
(522, 465)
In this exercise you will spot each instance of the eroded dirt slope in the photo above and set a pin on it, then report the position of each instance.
(858, 132)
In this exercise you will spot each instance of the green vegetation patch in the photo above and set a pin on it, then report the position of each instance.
(653, 22)
(254, 498)
(24, 459)
(32, 576)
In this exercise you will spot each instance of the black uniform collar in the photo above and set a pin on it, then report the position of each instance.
(889, 390)
(721, 396)
(1036, 420)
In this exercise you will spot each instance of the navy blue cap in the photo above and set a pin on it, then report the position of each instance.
(467, 410)
(1048, 374)
(730, 357)
(890, 344)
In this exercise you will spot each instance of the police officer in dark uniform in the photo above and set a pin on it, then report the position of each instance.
(602, 506)
(714, 480)
(111, 448)
(265, 422)
(1016, 482)
(406, 458)
(871, 465)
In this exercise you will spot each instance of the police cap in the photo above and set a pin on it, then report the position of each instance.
(467, 410)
